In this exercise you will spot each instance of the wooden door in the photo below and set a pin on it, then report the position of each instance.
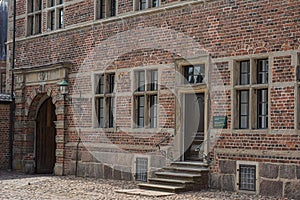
(45, 138)
(193, 125)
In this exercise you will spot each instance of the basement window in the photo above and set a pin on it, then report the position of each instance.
(141, 169)
(247, 177)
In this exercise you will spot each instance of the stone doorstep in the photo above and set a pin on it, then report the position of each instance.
(142, 192)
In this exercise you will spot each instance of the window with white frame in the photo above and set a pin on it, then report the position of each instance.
(34, 17)
(105, 97)
(141, 169)
(146, 98)
(55, 14)
(106, 8)
(145, 4)
(247, 177)
(253, 82)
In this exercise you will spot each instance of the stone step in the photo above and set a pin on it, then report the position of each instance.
(162, 188)
(165, 181)
(178, 176)
(190, 164)
(186, 169)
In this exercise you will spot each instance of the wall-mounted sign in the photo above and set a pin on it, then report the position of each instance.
(220, 122)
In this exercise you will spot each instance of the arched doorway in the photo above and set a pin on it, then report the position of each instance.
(45, 137)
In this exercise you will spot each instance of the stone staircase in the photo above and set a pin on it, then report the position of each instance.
(179, 177)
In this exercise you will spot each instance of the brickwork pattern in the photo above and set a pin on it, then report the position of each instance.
(4, 135)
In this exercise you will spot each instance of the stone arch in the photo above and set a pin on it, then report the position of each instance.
(32, 105)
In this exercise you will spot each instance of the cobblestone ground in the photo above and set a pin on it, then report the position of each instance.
(19, 186)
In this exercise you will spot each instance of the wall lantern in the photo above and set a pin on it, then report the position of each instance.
(64, 87)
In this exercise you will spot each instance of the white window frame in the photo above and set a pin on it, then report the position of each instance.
(238, 163)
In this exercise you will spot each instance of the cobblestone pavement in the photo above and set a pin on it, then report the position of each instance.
(20, 186)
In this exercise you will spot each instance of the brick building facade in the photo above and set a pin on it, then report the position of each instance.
(4, 133)
(143, 73)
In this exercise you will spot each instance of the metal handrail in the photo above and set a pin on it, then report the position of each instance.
(162, 152)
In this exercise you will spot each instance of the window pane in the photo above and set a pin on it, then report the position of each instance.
(101, 85)
(112, 8)
(262, 71)
(61, 18)
(262, 108)
(244, 72)
(153, 82)
(52, 20)
(244, 109)
(30, 25)
(101, 112)
(102, 9)
(111, 81)
(140, 109)
(155, 3)
(38, 23)
(111, 108)
(141, 81)
(243, 122)
(153, 111)
(143, 4)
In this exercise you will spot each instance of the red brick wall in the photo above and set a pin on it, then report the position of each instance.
(4, 135)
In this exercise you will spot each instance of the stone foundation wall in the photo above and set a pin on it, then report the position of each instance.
(278, 180)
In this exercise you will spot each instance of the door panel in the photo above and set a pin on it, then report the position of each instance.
(193, 125)
(45, 138)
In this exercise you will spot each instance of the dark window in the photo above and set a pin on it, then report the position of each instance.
(34, 17)
(52, 20)
(245, 72)
(101, 112)
(141, 80)
(3, 81)
(155, 3)
(113, 8)
(141, 169)
(106, 8)
(194, 74)
(153, 111)
(55, 14)
(105, 100)
(141, 110)
(262, 71)
(102, 9)
(111, 81)
(153, 82)
(111, 109)
(143, 4)
(146, 99)
(61, 18)
(247, 177)
(244, 109)
(262, 108)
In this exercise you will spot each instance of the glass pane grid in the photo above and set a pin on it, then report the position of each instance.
(141, 169)
(247, 177)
